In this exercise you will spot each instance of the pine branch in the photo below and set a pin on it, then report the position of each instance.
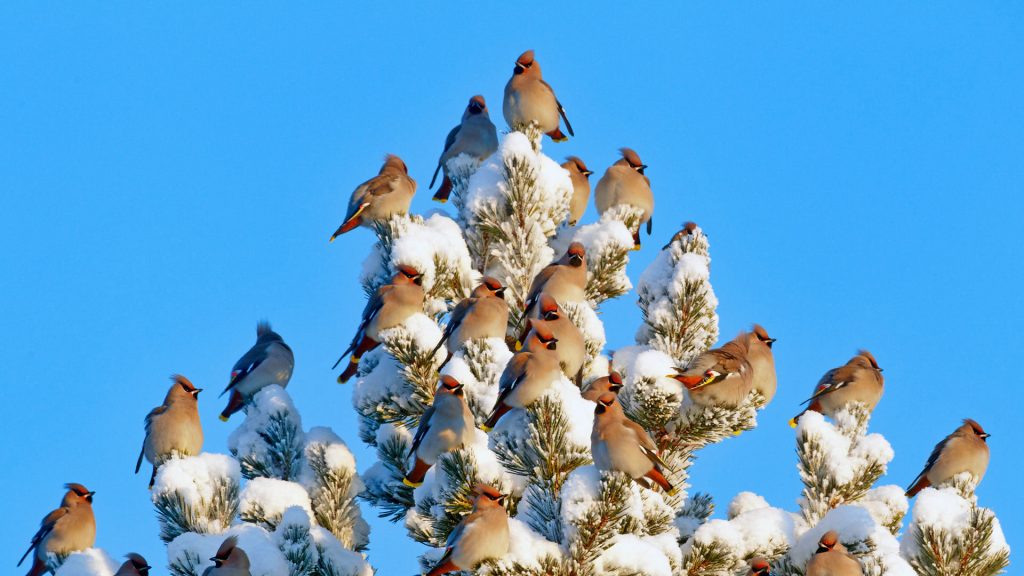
(594, 531)
(546, 453)
(281, 456)
(333, 506)
(178, 515)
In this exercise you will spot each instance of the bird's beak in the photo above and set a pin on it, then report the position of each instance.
(643, 167)
(587, 173)
(881, 370)
(500, 292)
(985, 436)
(771, 340)
(93, 493)
(575, 260)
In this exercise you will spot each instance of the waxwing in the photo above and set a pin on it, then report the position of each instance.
(173, 428)
(965, 450)
(388, 193)
(269, 361)
(70, 528)
(859, 380)
(530, 100)
(475, 137)
(620, 444)
(625, 183)
(447, 425)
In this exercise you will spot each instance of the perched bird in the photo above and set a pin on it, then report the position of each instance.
(832, 559)
(481, 535)
(624, 183)
(758, 347)
(565, 279)
(530, 100)
(391, 305)
(173, 428)
(859, 380)
(528, 374)
(70, 528)
(475, 136)
(135, 565)
(965, 450)
(447, 425)
(620, 444)
(269, 361)
(759, 567)
(610, 383)
(230, 560)
(718, 377)
(483, 315)
(571, 348)
(580, 176)
(688, 229)
(379, 198)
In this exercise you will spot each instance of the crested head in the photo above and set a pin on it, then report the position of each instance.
(226, 547)
(263, 329)
(405, 274)
(689, 227)
(760, 332)
(477, 104)
(542, 332)
(526, 65)
(138, 562)
(630, 155)
(870, 358)
(972, 427)
(450, 385)
(548, 307)
(526, 58)
(576, 163)
(489, 286)
(604, 403)
(229, 553)
(828, 540)
(394, 162)
(77, 493)
(576, 255)
(759, 566)
(615, 378)
(182, 387)
(488, 496)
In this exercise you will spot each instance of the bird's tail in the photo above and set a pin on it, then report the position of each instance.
(30, 549)
(658, 478)
(496, 415)
(444, 191)
(415, 476)
(921, 483)
(557, 135)
(444, 566)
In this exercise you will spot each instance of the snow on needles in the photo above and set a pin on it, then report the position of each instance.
(266, 499)
(89, 562)
(196, 479)
(271, 401)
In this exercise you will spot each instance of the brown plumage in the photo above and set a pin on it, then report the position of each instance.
(483, 315)
(388, 193)
(447, 425)
(579, 174)
(759, 567)
(610, 383)
(965, 450)
(832, 559)
(718, 377)
(565, 279)
(480, 535)
(625, 183)
(173, 427)
(531, 100)
(687, 229)
(618, 443)
(70, 528)
(135, 565)
(758, 347)
(391, 305)
(529, 373)
(571, 346)
(859, 380)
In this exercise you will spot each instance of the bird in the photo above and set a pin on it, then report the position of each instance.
(388, 193)
(531, 100)
(832, 559)
(719, 377)
(579, 174)
(859, 380)
(269, 361)
(618, 443)
(571, 347)
(529, 373)
(70, 528)
(758, 346)
(446, 426)
(391, 305)
(965, 450)
(483, 315)
(610, 383)
(624, 182)
(230, 560)
(135, 565)
(475, 136)
(759, 567)
(688, 229)
(172, 428)
(481, 535)
(565, 279)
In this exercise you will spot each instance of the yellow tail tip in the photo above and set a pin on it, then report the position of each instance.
(441, 200)
(519, 345)
(673, 491)
(339, 380)
(222, 418)
(411, 484)
(635, 248)
(331, 240)
(737, 432)
(792, 422)
(486, 428)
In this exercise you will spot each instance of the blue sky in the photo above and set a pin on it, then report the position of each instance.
(170, 175)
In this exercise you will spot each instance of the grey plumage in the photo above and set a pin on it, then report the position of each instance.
(268, 361)
(230, 560)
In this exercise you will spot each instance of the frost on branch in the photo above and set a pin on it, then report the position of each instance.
(89, 562)
(608, 243)
(838, 463)
(950, 534)
(676, 299)
(196, 494)
(269, 441)
(333, 485)
(514, 203)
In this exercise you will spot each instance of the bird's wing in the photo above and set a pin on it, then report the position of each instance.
(647, 445)
(538, 282)
(936, 452)
(458, 315)
(421, 431)
(45, 527)
(373, 307)
(247, 363)
(833, 380)
(447, 144)
(514, 372)
(149, 424)
(561, 109)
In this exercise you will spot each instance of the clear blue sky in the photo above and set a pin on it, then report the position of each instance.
(170, 174)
